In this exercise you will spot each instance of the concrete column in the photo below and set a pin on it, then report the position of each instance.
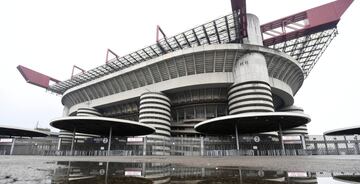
(355, 145)
(201, 146)
(59, 144)
(203, 172)
(303, 142)
(240, 176)
(316, 146)
(107, 172)
(337, 148)
(254, 31)
(12, 146)
(237, 138)
(182, 143)
(144, 146)
(346, 144)
(109, 142)
(143, 168)
(281, 140)
(72, 143)
(326, 147)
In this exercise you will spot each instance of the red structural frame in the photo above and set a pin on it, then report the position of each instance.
(107, 55)
(317, 19)
(36, 78)
(73, 70)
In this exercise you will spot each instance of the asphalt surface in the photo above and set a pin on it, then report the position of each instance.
(288, 163)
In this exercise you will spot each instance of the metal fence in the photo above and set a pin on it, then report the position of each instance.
(191, 146)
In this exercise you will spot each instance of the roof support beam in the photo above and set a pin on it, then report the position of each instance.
(206, 35)
(216, 32)
(196, 38)
(177, 42)
(187, 41)
(227, 28)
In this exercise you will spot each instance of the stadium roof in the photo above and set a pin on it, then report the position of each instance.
(304, 36)
(102, 125)
(344, 131)
(6, 130)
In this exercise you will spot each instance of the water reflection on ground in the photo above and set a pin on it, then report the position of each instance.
(126, 173)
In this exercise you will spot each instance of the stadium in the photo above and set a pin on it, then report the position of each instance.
(225, 87)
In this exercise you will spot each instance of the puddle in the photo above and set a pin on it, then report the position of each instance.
(126, 173)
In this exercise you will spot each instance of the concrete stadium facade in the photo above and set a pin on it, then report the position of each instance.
(178, 90)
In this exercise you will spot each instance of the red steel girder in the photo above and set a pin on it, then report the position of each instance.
(317, 19)
(36, 78)
(73, 70)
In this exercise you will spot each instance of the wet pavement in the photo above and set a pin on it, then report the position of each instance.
(179, 169)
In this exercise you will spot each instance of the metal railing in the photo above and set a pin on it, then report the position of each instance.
(196, 146)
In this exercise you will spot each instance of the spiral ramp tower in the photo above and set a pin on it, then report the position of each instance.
(66, 136)
(301, 130)
(155, 110)
(158, 173)
(251, 97)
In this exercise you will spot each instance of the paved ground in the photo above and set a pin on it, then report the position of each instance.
(287, 163)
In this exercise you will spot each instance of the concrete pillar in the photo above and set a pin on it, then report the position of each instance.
(316, 146)
(12, 146)
(59, 144)
(251, 91)
(182, 144)
(240, 176)
(326, 147)
(72, 143)
(109, 142)
(356, 145)
(107, 172)
(337, 148)
(144, 146)
(155, 111)
(201, 146)
(357, 148)
(346, 144)
(254, 31)
(237, 138)
(203, 172)
(303, 142)
(281, 140)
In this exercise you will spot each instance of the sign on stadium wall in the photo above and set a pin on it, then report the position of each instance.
(6, 140)
(134, 139)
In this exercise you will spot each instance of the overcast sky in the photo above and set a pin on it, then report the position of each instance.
(51, 36)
